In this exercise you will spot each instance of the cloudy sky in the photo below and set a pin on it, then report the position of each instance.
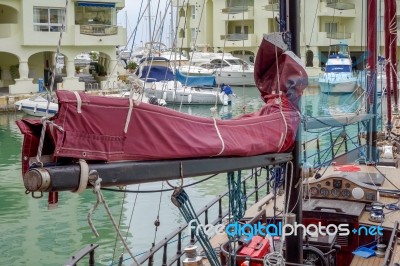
(129, 16)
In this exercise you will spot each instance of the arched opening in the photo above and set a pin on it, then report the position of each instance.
(42, 65)
(181, 12)
(9, 64)
(8, 21)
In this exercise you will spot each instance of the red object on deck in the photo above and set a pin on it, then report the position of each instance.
(109, 129)
(257, 248)
(348, 168)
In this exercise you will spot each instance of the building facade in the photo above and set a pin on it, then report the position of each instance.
(230, 26)
(30, 33)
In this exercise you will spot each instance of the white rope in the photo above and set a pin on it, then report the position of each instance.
(84, 176)
(45, 121)
(128, 117)
(100, 199)
(220, 137)
(78, 102)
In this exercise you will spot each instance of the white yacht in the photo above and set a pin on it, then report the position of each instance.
(338, 76)
(228, 69)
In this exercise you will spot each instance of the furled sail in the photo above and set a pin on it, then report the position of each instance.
(114, 129)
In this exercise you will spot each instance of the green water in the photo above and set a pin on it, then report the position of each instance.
(30, 234)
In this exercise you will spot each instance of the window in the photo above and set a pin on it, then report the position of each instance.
(193, 34)
(331, 27)
(193, 8)
(47, 19)
(238, 29)
(92, 13)
(181, 33)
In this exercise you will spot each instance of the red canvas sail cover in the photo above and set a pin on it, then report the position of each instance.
(93, 128)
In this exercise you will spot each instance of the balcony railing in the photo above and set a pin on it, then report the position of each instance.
(339, 4)
(235, 9)
(272, 7)
(338, 35)
(99, 30)
(235, 37)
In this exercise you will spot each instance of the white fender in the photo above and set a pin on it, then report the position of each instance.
(190, 98)
(34, 109)
(164, 96)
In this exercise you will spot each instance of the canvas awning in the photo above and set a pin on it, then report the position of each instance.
(96, 4)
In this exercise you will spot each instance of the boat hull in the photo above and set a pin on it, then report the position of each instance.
(37, 106)
(235, 78)
(184, 95)
(338, 85)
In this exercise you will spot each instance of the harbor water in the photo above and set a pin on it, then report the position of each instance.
(30, 234)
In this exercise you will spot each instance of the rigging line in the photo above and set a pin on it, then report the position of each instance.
(100, 199)
(119, 225)
(334, 156)
(129, 225)
(158, 191)
(134, 32)
(386, 178)
(157, 221)
(44, 119)
(191, 59)
(315, 16)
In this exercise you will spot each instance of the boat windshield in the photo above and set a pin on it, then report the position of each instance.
(236, 61)
(338, 68)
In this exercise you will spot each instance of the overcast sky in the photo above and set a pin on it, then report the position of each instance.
(129, 15)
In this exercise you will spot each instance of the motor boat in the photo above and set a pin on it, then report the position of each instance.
(37, 106)
(228, 68)
(338, 76)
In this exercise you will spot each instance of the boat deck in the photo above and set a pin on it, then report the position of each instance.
(393, 180)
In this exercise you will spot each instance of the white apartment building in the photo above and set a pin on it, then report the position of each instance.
(29, 36)
(230, 26)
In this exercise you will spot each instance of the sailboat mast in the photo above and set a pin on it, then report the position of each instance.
(149, 13)
(393, 48)
(371, 84)
(388, 70)
(294, 243)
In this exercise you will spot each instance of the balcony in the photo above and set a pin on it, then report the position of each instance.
(8, 30)
(272, 7)
(238, 13)
(338, 35)
(98, 30)
(328, 38)
(326, 9)
(237, 40)
(340, 5)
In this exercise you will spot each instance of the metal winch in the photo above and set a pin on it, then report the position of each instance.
(191, 257)
(376, 214)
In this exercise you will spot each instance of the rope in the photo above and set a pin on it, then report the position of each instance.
(128, 117)
(159, 190)
(100, 199)
(84, 176)
(181, 200)
(78, 102)
(220, 137)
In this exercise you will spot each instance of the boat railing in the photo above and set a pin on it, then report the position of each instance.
(389, 255)
(98, 29)
(341, 140)
(88, 250)
(177, 236)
